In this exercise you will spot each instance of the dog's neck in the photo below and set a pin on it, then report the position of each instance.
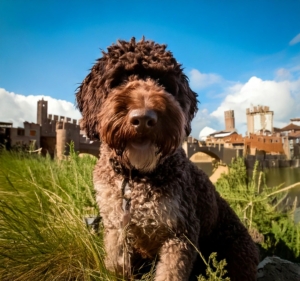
(128, 172)
(121, 164)
(158, 177)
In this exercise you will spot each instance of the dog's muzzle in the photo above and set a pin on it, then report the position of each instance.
(143, 120)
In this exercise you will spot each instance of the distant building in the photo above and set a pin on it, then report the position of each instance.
(259, 139)
(216, 137)
(19, 136)
(291, 132)
(229, 120)
(295, 121)
(259, 119)
(52, 133)
(272, 147)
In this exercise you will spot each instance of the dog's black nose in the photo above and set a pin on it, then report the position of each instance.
(143, 119)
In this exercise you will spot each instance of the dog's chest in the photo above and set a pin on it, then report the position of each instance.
(151, 216)
(152, 208)
(147, 210)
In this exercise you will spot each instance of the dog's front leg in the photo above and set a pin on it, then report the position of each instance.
(117, 259)
(176, 259)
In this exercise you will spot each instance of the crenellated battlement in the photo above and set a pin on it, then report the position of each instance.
(258, 109)
(52, 117)
(53, 133)
(66, 125)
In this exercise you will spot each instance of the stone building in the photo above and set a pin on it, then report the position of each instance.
(52, 133)
(291, 133)
(259, 119)
(29, 135)
(229, 120)
(261, 141)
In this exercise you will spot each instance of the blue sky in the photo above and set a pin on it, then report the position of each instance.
(236, 53)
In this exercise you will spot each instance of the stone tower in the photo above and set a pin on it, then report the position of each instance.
(42, 112)
(229, 120)
(65, 134)
(259, 118)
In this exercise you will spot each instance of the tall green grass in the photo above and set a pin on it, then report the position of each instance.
(43, 203)
(43, 235)
(256, 205)
(42, 232)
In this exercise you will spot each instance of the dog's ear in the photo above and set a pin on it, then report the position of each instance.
(89, 97)
(190, 103)
(192, 111)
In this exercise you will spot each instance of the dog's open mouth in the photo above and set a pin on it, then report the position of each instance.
(140, 143)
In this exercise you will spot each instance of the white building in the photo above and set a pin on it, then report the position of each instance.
(259, 119)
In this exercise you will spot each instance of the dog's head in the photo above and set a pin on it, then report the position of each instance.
(137, 100)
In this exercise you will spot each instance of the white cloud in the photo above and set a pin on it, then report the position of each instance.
(295, 40)
(200, 80)
(204, 119)
(18, 108)
(283, 97)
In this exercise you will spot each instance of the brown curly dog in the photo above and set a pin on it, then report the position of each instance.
(155, 204)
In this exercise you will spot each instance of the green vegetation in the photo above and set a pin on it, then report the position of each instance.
(214, 270)
(257, 206)
(42, 233)
(43, 203)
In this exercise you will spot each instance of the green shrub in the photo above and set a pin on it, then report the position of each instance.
(215, 270)
(255, 204)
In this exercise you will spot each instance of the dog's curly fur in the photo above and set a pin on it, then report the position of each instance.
(155, 204)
